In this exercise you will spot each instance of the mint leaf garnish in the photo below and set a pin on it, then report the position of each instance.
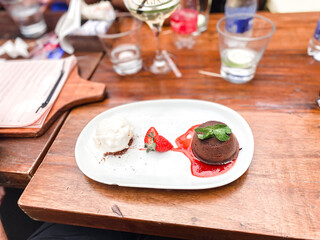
(219, 131)
(206, 132)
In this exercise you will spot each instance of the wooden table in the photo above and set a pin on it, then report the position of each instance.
(20, 157)
(277, 198)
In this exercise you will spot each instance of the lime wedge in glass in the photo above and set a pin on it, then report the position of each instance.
(238, 57)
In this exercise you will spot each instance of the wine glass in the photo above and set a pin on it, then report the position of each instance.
(154, 12)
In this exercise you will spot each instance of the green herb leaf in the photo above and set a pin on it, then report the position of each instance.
(220, 131)
(206, 132)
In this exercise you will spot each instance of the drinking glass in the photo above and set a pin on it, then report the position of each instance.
(153, 12)
(204, 7)
(28, 16)
(184, 24)
(241, 51)
(121, 41)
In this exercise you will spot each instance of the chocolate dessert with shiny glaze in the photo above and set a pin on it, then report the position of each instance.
(213, 151)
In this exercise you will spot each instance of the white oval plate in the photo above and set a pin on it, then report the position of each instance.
(169, 170)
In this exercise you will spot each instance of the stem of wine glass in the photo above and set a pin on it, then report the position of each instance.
(159, 64)
(156, 28)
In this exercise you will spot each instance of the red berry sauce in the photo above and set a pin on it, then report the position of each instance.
(199, 169)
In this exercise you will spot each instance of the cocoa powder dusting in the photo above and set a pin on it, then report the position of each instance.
(119, 153)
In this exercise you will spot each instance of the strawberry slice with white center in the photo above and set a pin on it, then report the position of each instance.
(155, 142)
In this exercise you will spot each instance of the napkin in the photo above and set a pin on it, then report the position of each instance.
(15, 49)
(71, 20)
(102, 10)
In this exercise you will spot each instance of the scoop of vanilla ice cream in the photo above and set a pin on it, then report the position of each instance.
(113, 134)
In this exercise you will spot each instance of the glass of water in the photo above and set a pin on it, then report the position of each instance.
(204, 7)
(28, 16)
(241, 52)
(121, 41)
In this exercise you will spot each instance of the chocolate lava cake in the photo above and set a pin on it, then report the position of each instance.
(213, 151)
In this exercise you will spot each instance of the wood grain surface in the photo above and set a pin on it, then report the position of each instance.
(20, 157)
(278, 196)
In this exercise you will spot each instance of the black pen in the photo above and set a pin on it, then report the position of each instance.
(45, 103)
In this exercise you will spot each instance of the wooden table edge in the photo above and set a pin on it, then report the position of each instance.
(119, 223)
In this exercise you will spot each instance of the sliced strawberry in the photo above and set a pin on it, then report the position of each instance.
(149, 139)
(162, 144)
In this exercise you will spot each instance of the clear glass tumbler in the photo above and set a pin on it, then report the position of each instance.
(241, 52)
(121, 41)
(204, 7)
(184, 23)
(28, 16)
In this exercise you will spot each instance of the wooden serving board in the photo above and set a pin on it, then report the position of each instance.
(76, 91)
